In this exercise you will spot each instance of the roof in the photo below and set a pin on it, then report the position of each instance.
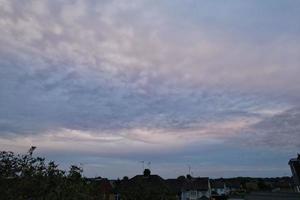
(150, 181)
(151, 178)
(175, 185)
(233, 183)
(297, 160)
(196, 184)
(217, 184)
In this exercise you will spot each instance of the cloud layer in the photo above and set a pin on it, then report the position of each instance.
(146, 79)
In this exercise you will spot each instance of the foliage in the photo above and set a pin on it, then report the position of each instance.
(24, 177)
(147, 172)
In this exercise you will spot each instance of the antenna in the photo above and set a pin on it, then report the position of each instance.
(143, 164)
(149, 165)
(189, 168)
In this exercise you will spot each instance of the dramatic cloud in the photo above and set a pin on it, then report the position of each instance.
(280, 130)
(146, 79)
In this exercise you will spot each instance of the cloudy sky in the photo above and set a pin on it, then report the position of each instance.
(109, 83)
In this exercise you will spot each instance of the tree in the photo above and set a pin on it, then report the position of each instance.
(29, 177)
(181, 178)
(147, 172)
(75, 172)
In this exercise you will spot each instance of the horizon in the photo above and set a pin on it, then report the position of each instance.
(107, 84)
(138, 170)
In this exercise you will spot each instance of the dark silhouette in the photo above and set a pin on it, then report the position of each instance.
(147, 172)
(26, 177)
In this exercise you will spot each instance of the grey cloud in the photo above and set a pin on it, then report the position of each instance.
(111, 66)
(110, 37)
(70, 80)
(56, 97)
(281, 131)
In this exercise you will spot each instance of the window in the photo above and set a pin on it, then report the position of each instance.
(193, 193)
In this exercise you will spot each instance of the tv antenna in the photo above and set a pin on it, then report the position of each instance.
(143, 164)
(189, 168)
(149, 165)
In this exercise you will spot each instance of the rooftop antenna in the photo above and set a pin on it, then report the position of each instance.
(189, 167)
(149, 165)
(143, 164)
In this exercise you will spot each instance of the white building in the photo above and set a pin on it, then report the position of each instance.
(196, 189)
(219, 188)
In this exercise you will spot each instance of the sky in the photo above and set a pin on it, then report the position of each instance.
(106, 84)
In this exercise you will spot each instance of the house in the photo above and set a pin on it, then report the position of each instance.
(295, 168)
(218, 188)
(252, 185)
(146, 186)
(196, 189)
(190, 188)
(233, 185)
(106, 189)
(176, 186)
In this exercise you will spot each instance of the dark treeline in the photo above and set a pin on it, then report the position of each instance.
(28, 177)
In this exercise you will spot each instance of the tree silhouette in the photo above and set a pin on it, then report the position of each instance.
(29, 177)
(147, 172)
